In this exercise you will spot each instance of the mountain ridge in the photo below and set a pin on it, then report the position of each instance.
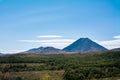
(116, 49)
(45, 50)
(81, 45)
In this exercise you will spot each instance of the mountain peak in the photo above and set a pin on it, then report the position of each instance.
(83, 39)
(84, 45)
(49, 47)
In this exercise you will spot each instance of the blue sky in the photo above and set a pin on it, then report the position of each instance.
(26, 24)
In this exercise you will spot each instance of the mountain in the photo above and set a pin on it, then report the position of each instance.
(45, 50)
(116, 49)
(84, 45)
(1, 54)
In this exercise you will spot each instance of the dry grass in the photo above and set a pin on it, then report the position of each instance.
(37, 75)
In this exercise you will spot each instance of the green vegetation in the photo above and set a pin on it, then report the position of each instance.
(88, 66)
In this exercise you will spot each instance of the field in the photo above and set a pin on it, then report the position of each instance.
(88, 66)
(35, 75)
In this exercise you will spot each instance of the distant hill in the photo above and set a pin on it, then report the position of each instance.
(84, 45)
(45, 50)
(1, 54)
(116, 49)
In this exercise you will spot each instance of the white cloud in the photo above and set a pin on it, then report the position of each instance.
(117, 37)
(58, 43)
(50, 36)
(12, 51)
(110, 44)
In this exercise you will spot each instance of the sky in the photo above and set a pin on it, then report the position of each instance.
(26, 24)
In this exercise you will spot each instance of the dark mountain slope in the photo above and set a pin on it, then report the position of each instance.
(84, 45)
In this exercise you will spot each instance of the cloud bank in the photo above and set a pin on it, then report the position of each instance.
(110, 44)
(51, 40)
(60, 42)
